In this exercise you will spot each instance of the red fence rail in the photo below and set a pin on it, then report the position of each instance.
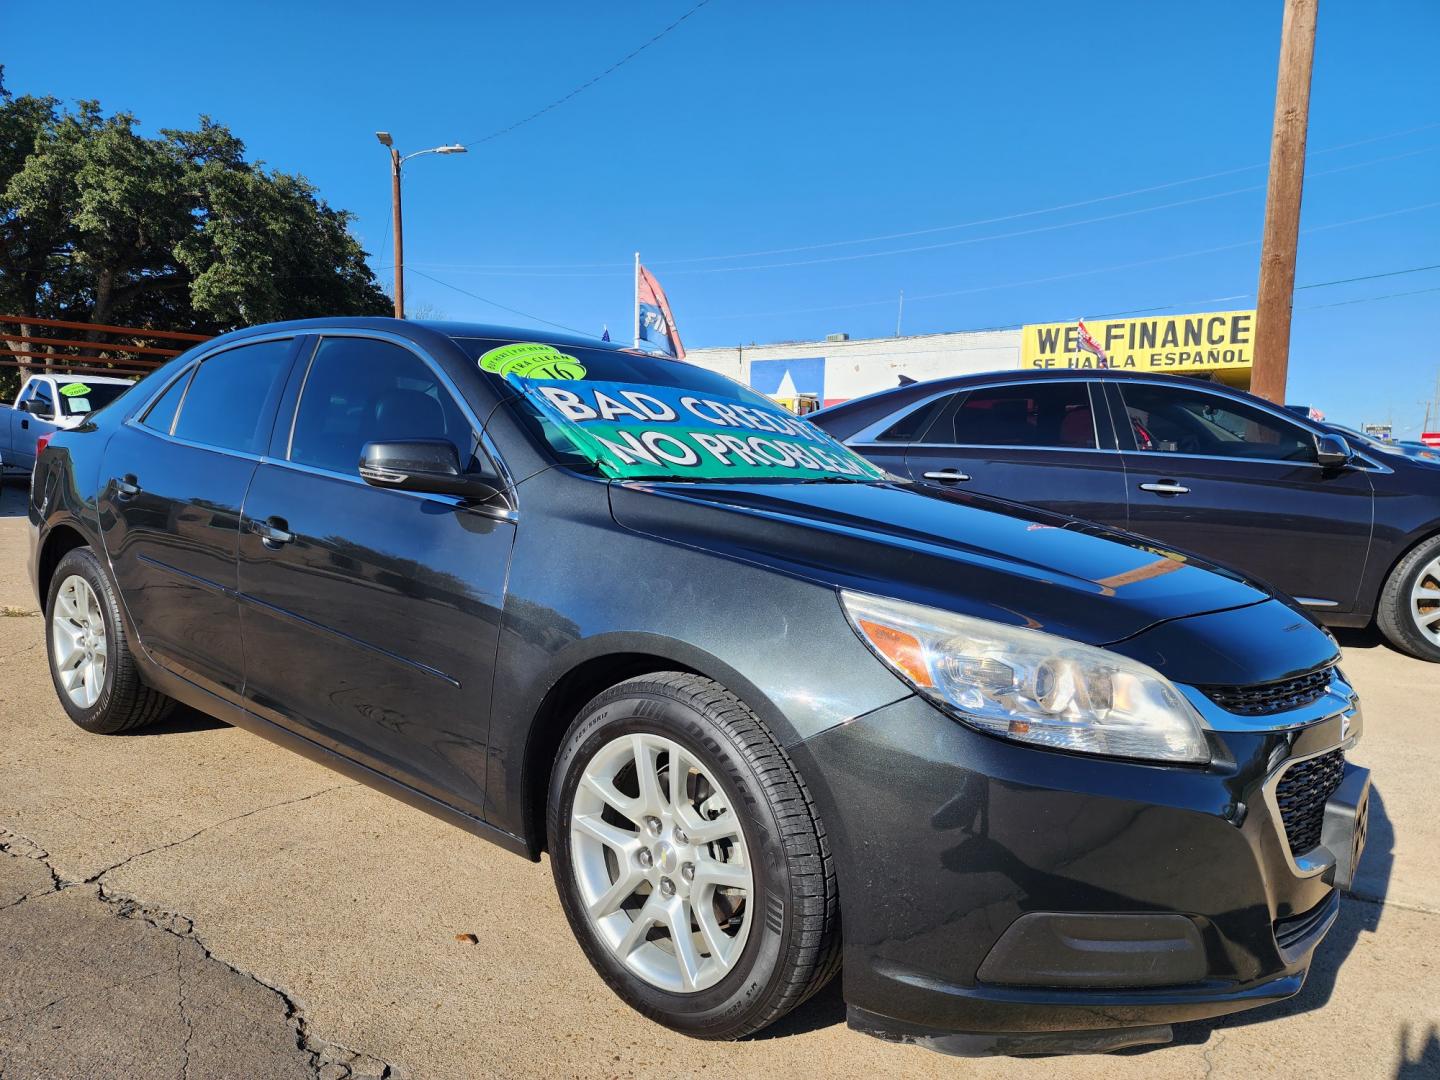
(99, 348)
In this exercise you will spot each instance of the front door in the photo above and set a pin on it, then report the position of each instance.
(172, 485)
(1043, 443)
(1240, 484)
(370, 616)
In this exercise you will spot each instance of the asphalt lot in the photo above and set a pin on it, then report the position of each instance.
(195, 901)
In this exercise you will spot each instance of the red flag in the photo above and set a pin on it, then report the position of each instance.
(653, 321)
(1090, 345)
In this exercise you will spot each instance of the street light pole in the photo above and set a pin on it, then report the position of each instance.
(396, 161)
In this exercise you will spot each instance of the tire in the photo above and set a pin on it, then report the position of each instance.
(122, 701)
(1399, 611)
(781, 939)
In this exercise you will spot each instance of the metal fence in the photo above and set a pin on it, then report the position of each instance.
(54, 346)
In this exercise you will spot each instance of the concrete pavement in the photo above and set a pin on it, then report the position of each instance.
(315, 926)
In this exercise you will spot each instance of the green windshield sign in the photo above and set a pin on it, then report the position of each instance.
(632, 430)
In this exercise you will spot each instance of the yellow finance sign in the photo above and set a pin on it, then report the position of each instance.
(1218, 342)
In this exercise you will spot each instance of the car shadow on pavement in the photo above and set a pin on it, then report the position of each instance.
(1360, 913)
(181, 719)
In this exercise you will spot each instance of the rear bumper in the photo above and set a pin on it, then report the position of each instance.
(998, 898)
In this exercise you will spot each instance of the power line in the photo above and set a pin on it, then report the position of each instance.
(586, 85)
(1080, 273)
(497, 304)
(497, 267)
(1370, 299)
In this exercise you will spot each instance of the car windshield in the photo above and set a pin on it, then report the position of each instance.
(624, 414)
(79, 398)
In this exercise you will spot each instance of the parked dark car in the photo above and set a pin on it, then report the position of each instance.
(1352, 534)
(1060, 788)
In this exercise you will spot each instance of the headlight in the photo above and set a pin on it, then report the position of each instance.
(1031, 686)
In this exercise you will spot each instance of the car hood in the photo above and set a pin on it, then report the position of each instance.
(963, 552)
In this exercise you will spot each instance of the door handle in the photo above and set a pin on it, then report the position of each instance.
(272, 532)
(1166, 487)
(945, 476)
(127, 486)
(25, 423)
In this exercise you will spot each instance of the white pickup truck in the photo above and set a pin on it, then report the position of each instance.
(48, 403)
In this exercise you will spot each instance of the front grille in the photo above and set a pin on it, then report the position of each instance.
(1275, 697)
(1302, 794)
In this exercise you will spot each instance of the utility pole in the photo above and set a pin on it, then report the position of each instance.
(395, 162)
(900, 313)
(1275, 294)
(399, 266)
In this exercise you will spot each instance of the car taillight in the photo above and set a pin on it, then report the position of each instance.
(42, 442)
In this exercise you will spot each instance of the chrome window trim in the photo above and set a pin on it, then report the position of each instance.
(994, 446)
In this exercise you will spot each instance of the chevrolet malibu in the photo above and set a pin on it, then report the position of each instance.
(1034, 786)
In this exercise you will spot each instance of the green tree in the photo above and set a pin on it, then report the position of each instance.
(100, 223)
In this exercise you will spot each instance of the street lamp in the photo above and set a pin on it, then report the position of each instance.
(396, 160)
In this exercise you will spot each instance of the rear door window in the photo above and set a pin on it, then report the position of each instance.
(912, 424)
(161, 414)
(359, 390)
(230, 403)
(1056, 414)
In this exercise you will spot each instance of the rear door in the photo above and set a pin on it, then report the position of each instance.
(1047, 443)
(1239, 483)
(173, 481)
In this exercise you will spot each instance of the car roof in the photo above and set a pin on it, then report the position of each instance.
(917, 390)
(413, 328)
(60, 376)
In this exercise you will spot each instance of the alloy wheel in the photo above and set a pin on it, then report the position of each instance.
(77, 634)
(661, 863)
(1425, 601)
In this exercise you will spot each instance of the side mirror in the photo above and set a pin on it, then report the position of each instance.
(1332, 450)
(427, 465)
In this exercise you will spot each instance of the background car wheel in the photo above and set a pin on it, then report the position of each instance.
(689, 858)
(90, 660)
(1409, 610)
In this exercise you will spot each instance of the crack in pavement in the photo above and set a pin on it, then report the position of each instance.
(93, 878)
(1207, 1059)
(327, 1060)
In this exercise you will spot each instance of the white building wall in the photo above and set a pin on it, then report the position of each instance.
(840, 370)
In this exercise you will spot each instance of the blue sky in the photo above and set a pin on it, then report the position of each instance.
(758, 126)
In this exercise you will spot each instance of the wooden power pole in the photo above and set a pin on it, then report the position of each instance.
(1282, 201)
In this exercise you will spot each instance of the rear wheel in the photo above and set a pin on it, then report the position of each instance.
(1409, 610)
(94, 672)
(689, 858)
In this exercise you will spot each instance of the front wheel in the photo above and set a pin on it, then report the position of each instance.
(689, 858)
(1409, 610)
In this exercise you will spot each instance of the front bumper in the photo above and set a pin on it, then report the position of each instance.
(999, 898)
